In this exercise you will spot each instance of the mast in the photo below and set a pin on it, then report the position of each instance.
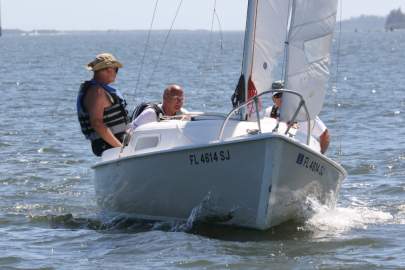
(248, 49)
(241, 91)
(287, 44)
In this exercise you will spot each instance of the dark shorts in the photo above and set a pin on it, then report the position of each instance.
(99, 146)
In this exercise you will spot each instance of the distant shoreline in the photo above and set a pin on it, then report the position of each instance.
(56, 32)
(357, 24)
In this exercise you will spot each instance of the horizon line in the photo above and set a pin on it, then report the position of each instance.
(160, 29)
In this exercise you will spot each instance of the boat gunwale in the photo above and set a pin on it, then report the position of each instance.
(256, 137)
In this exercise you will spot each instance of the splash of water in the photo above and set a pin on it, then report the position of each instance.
(207, 211)
(323, 219)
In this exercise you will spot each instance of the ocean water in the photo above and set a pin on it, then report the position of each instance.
(48, 215)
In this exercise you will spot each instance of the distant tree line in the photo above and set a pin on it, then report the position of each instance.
(395, 20)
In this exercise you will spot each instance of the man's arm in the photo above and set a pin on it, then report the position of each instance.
(95, 102)
(324, 141)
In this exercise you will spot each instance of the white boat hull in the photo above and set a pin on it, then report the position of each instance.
(256, 181)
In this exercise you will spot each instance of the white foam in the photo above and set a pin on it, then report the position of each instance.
(400, 217)
(327, 220)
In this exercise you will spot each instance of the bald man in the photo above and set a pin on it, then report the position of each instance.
(173, 99)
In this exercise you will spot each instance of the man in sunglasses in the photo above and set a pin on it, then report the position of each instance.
(173, 100)
(318, 128)
(274, 111)
(102, 109)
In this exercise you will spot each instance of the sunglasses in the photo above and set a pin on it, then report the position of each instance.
(177, 98)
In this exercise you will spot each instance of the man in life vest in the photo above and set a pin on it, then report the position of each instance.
(102, 109)
(173, 99)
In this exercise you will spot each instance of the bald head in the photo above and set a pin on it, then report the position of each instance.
(172, 99)
(172, 90)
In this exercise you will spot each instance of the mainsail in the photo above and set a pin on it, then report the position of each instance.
(308, 55)
(266, 32)
(270, 36)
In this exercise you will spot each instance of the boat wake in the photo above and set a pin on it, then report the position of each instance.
(315, 218)
(209, 212)
(205, 212)
(101, 223)
(325, 220)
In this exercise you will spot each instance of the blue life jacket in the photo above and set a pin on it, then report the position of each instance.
(115, 116)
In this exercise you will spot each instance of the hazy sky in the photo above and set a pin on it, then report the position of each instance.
(136, 14)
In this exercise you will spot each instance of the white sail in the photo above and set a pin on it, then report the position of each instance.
(270, 36)
(308, 55)
(265, 35)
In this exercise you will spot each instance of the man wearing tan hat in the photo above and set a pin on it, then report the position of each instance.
(102, 109)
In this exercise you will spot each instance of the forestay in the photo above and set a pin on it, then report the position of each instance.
(308, 55)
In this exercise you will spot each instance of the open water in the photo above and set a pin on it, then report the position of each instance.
(48, 215)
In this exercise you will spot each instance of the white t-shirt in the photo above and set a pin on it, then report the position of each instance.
(317, 127)
(149, 116)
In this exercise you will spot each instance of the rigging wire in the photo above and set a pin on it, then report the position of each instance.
(206, 59)
(221, 34)
(146, 46)
(214, 15)
(335, 86)
(164, 43)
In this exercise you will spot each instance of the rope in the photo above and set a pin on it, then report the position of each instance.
(220, 29)
(146, 46)
(339, 150)
(206, 59)
(164, 43)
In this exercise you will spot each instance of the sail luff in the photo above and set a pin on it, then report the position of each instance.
(249, 41)
(247, 61)
(287, 44)
(242, 89)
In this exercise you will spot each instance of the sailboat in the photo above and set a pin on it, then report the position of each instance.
(245, 169)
